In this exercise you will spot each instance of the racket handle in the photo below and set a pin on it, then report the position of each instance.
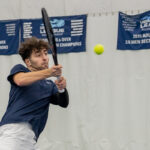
(60, 91)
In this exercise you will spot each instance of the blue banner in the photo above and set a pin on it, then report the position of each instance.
(134, 31)
(69, 31)
(9, 37)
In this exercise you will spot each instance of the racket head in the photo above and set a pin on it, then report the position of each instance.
(50, 35)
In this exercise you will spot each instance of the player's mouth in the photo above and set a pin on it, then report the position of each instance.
(45, 65)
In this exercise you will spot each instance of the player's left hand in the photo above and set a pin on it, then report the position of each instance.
(61, 83)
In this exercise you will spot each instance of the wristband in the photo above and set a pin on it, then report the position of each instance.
(61, 91)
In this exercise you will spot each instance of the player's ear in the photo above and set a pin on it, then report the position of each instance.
(27, 62)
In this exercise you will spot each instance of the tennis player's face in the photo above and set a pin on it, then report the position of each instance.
(39, 59)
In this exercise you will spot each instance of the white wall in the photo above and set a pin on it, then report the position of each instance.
(109, 94)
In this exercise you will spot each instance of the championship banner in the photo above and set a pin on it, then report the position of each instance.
(134, 31)
(9, 37)
(69, 31)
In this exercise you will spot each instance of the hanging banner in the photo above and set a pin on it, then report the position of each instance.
(134, 31)
(69, 31)
(9, 37)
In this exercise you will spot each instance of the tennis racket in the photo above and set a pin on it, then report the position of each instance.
(50, 35)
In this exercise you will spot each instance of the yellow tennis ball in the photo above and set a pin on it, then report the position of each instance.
(98, 49)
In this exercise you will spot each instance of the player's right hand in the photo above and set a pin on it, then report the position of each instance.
(55, 71)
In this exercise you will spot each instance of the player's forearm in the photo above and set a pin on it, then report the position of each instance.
(24, 79)
(61, 99)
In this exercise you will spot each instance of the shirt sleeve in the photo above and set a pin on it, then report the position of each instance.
(61, 99)
(16, 69)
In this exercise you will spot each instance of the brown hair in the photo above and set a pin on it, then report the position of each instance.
(30, 45)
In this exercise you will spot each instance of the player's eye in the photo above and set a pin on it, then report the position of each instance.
(46, 53)
(37, 54)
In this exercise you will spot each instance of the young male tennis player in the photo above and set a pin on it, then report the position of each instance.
(30, 97)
